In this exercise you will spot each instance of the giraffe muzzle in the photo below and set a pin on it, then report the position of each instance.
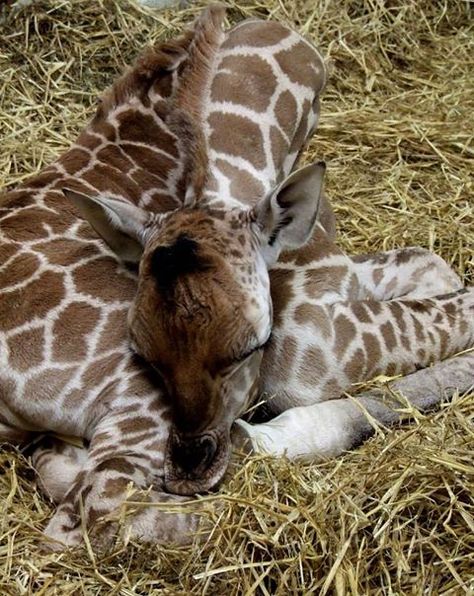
(194, 456)
(195, 464)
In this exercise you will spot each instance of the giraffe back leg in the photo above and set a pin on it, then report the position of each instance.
(328, 429)
(57, 465)
(405, 272)
(370, 339)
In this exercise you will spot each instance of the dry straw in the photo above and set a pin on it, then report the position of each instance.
(397, 515)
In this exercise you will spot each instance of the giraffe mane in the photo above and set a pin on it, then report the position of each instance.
(153, 63)
(187, 118)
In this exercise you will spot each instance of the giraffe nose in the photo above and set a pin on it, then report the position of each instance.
(195, 455)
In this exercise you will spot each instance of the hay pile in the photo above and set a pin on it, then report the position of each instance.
(397, 515)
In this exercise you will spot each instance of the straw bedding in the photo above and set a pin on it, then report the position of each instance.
(397, 515)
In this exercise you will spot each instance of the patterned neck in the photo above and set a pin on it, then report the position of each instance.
(259, 108)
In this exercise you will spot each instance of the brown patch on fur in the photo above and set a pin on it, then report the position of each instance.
(307, 60)
(361, 312)
(388, 334)
(116, 464)
(286, 112)
(443, 343)
(243, 185)
(282, 292)
(373, 352)
(344, 333)
(70, 331)
(26, 349)
(6, 252)
(302, 133)
(398, 312)
(108, 282)
(246, 140)
(318, 247)
(99, 369)
(256, 34)
(332, 390)
(420, 334)
(105, 180)
(355, 369)
(154, 163)
(115, 330)
(244, 80)
(26, 225)
(48, 384)
(313, 366)
(374, 306)
(115, 487)
(65, 251)
(377, 275)
(75, 159)
(279, 147)
(324, 279)
(19, 270)
(314, 315)
(160, 202)
(114, 156)
(20, 306)
(144, 129)
(137, 424)
(288, 352)
(89, 141)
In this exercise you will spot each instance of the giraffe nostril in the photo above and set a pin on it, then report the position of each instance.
(194, 455)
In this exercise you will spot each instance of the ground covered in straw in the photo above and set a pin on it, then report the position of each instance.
(397, 515)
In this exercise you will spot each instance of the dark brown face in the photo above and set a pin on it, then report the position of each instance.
(194, 322)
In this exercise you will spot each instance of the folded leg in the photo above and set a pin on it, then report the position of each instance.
(119, 484)
(328, 429)
(57, 465)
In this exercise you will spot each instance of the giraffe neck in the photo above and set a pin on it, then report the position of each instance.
(65, 294)
(259, 108)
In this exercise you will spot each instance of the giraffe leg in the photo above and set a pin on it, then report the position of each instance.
(328, 429)
(389, 338)
(57, 465)
(406, 272)
(120, 488)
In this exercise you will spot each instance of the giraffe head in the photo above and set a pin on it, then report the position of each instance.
(203, 311)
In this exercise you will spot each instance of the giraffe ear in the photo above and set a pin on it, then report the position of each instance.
(120, 224)
(287, 216)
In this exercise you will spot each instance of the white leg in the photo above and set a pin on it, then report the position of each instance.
(328, 429)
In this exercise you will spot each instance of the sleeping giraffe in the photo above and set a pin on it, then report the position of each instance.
(125, 174)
